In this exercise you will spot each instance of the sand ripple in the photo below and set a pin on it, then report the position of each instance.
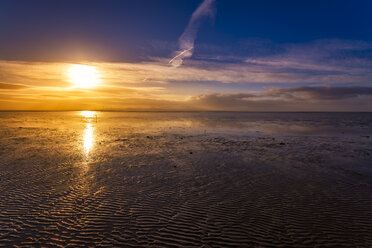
(180, 190)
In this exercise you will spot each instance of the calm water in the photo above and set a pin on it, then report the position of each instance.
(85, 129)
(223, 122)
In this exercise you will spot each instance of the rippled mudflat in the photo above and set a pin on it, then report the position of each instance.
(71, 179)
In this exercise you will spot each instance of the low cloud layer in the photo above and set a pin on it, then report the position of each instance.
(321, 98)
(304, 98)
(319, 93)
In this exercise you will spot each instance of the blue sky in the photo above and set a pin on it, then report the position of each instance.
(233, 47)
(129, 30)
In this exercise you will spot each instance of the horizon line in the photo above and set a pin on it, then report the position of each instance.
(170, 111)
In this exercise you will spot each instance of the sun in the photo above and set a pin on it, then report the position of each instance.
(83, 76)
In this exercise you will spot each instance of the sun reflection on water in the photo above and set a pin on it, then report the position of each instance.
(87, 114)
(88, 137)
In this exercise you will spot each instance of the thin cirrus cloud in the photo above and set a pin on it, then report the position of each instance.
(187, 39)
(6, 86)
(322, 62)
(319, 56)
(319, 62)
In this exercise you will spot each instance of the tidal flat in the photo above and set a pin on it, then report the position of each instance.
(185, 179)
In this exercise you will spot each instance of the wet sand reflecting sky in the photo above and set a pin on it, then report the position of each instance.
(198, 179)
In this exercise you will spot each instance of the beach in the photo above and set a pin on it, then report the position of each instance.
(185, 179)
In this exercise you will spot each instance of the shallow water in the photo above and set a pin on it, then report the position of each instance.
(185, 179)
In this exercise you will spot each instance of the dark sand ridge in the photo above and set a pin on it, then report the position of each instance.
(170, 186)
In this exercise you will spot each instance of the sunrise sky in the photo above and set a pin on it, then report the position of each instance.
(186, 55)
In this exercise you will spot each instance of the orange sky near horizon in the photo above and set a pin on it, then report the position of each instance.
(155, 86)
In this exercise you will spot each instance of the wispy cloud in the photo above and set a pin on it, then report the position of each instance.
(208, 83)
(6, 86)
(187, 39)
(341, 63)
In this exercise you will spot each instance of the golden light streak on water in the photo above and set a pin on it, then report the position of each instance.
(88, 138)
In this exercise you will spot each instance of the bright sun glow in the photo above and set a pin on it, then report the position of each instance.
(83, 76)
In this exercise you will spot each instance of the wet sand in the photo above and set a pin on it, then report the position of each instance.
(185, 180)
